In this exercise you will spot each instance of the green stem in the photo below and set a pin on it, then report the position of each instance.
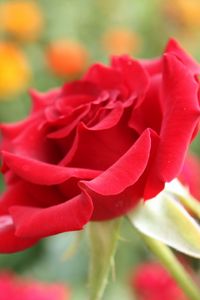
(172, 265)
(191, 203)
(103, 243)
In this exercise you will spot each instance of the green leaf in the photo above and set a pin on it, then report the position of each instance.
(165, 219)
(103, 241)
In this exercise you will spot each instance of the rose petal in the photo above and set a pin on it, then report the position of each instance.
(72, 121)
(24, 193)
(112, 206)
(42, 173)
(8, 241)
(10, 131)
(94, 149)
(28, 138)
(175, 49)
(181, 107)
(134, 75)
(80, 87)
(103, 76)
(41, 222)
(126, 171)
(110, 120)
(152, 66)
(14, 194)
(41, 100)
(141, 117)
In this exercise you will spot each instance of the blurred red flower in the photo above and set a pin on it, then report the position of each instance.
(151, 281)
(16, 288)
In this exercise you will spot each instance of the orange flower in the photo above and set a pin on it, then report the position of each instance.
(121, 41)
(66, 58)
(23, 19)
(14, 69)
(185, 12)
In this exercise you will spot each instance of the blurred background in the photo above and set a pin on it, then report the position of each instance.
(45, 43)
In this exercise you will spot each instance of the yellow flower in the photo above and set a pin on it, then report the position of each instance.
(14, 70)
(121, 41)
(23, 19)
(185, 12)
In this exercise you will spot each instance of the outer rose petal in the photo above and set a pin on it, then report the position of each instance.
(126, 171)
(12, 131)
(111, 206)
(175, 49)
(41, 222)
(14, 194)
(181, 108)
(8, 241)
(29, 139)
(24, 193)
(30, 170)
(154, 66)
(41, 100)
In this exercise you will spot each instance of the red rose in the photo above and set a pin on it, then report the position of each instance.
(91, 149)
(152, 282)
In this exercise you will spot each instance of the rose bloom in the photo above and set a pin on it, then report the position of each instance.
(151, 281)
(93, 148)
(16, 288)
